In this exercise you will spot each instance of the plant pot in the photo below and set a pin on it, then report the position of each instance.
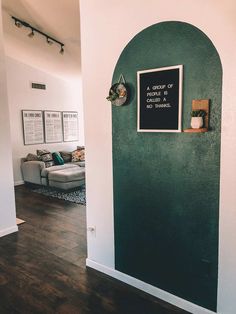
(196, 122)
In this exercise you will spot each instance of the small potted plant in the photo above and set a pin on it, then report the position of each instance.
(197, 118)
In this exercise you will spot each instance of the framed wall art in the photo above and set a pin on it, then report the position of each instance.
(53, 126)
(159, 99)
(70, 126)
(33, 127)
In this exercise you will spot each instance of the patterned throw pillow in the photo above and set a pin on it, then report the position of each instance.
(80, 147)
(45, 156)
(66, 156)
(82, 155)
(78, 155)
(82, 152)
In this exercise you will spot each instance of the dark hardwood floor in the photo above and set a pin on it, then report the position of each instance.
(42, 267)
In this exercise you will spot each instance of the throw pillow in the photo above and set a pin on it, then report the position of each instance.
(66, 156)
(31, 157)
(82, 152)
(80, 147)
(82, 155)
(46, 156)
(58, 160)
(78, 155)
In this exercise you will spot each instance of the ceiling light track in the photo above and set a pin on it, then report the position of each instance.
(50, 40)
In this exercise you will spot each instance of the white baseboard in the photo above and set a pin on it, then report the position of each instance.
(156, 292)
(18, 183)
(7, 231)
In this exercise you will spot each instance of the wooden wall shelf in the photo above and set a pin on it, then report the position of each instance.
(202, 130)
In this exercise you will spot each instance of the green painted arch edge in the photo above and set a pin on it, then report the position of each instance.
(115, 78)
(127, 143)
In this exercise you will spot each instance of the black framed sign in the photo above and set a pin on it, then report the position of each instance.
(33, 127)
(159, 99)
(70, 126)
(53, 126)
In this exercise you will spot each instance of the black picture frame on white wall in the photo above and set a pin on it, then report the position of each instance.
(53, 126)
(159, 99)
(70, 126)
(33, 130)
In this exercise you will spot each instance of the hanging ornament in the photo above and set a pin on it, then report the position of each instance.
(118, 92)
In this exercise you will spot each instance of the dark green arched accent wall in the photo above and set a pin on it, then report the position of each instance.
(166, 185)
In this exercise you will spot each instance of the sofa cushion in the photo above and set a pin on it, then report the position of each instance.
(58, 160)
(79, 163)
(46, 171)
(67, 175)
(45, 156)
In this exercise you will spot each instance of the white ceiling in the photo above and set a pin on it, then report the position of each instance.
(58, 18)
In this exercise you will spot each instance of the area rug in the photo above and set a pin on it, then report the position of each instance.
(76, 196)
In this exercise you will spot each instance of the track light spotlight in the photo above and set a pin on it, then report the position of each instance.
(50, 40)
(18, 24)
(31, 34)
(62, 50)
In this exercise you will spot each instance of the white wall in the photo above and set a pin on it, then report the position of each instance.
(107, 26)
(59, 95)
(7, 207)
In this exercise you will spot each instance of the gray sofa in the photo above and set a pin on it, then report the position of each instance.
(67, 176)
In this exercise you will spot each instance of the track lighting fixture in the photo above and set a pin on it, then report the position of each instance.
(50, 40)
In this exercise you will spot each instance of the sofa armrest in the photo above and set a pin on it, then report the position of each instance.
(31, 171)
